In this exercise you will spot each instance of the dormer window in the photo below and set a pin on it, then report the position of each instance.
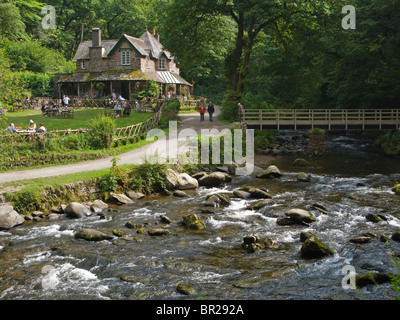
(162, 64)
(125, 57)
(83, 66)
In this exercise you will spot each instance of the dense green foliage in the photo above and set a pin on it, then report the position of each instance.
(389, 143)
(170, 113)
(103, 129)
(148, 178)
(264, 53)
(267, 53)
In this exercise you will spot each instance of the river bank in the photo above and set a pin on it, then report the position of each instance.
(244, 247)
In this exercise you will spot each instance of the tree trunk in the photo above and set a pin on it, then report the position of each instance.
(237, 58)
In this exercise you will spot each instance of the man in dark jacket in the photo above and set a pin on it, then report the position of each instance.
(211, 110)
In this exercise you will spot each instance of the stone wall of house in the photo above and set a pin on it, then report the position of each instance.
(144, 64)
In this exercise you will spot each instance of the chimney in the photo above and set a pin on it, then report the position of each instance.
(96, 37)
(154, 31)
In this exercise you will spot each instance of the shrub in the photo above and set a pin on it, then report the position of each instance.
(103, 129)
(389, 143)
(148, 178)
(263, 139)
(26, 201)
(170, 113)
(108, 183)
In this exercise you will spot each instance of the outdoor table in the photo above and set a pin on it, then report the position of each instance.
(26, 133)
(52, 112)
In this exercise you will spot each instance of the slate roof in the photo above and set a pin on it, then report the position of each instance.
(146, 43)
(83, 50)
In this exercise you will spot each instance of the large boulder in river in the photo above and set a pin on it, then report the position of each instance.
(214, 179)
(99, 206)
(396, 236)
(372, 278)
(9, 218)
(155, 232)
(92, 235)
(171, 179)
(192, 221)
(121, 198)
(396, 189)
(186, 182)
(271, 172)
(77, 210)
(256, 193)
(313, 248)
(180, 181)
(300, 216)
(134, 195)
(303, 177)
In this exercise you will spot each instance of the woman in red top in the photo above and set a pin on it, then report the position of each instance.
(202, 110)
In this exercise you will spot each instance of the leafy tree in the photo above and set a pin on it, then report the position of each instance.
(31, 55)
(11, 25)
(10, 85)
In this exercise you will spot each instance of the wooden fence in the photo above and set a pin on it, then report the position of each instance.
(357, 119)
(138, 129)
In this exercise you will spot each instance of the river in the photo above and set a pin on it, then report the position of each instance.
(43, 260)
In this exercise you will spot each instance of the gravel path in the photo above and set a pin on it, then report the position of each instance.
(137, 156)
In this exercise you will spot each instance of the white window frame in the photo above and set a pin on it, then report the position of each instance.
(83, 65)
(162, 64)
(125, 57)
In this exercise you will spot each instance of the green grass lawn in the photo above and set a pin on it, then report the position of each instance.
(81, 119)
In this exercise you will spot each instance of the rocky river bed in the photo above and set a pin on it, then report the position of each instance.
(245, 247)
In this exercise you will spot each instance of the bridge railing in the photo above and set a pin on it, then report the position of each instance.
(325, 118)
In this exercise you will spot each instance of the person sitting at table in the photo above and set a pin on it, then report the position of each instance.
(42, 129)
(127, 110)
(31, 126)
(118, 108)
(121, 100)
(12, 128)
(44, 110)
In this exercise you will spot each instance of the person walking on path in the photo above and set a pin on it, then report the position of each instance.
(202, 110)
(211, 110)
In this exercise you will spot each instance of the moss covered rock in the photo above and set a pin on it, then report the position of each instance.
(271, 173)
(192, 221)
(158, 232)
(92, 235)
(254, 243)
(300, 163)
(260, 204)
(314, 248)
(256, 193)
(300, 216)
(365, 279)
(185, 289)
(396, 189)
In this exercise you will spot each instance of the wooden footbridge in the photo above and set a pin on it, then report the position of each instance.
(330, 119)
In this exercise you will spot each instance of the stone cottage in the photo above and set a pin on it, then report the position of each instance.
(123, 66)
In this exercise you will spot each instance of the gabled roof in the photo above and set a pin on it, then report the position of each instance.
(146, 45)
(137, 44)
(83, 50)
(154, 45)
